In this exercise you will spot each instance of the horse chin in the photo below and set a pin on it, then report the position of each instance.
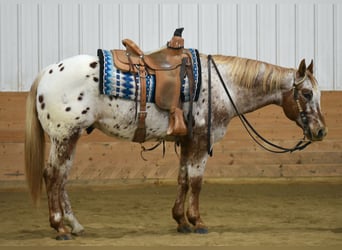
(314, 139)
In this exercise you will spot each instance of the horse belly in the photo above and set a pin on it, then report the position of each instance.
(118, 118)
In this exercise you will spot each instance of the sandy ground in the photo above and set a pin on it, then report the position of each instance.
(286, 214)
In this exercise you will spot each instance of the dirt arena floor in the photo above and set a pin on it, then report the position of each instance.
(237, 214)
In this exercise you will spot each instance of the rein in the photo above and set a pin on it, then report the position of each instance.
(247, 125)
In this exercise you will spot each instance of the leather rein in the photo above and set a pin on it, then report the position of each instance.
(269, 146)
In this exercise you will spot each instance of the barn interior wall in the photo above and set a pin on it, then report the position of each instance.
(36, 33)
(99, 157)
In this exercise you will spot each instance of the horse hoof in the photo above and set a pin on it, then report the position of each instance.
(80, 233)
(201, 230)
(64, 237)
(184, 229)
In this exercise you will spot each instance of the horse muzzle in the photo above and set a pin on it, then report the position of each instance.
(317, 135)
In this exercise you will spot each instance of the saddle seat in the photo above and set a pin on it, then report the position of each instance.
(163, 59)
(170, 65)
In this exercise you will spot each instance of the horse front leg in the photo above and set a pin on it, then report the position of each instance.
(178, 208)
(193, 212)
(192, 165)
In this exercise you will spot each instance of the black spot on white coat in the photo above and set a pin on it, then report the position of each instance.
(93, 65)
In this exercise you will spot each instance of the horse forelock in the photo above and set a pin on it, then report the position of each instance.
(251, 73)
(312, 80)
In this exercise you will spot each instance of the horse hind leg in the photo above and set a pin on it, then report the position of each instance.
(69, 218)
(55, 175)
(53, 179)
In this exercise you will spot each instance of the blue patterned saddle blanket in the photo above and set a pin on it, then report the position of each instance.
(114, 82)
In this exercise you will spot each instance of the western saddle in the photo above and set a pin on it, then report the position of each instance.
(170, 65)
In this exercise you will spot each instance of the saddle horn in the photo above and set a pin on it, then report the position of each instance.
(178, 32)
(177, 42)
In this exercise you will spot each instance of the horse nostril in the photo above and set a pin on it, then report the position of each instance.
(321, 133)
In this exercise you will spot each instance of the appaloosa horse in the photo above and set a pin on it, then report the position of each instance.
(64, 100)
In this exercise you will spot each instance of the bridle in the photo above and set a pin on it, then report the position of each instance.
(249, 128)
(302, 113)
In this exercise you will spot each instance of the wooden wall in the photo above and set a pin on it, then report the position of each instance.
(102, 157)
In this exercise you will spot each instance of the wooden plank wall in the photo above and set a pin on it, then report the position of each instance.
(102, 157)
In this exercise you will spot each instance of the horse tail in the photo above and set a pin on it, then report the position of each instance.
(34, 145)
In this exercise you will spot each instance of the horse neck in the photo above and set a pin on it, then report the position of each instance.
(250, 97)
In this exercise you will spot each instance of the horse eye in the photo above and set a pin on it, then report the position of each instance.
(307, 94)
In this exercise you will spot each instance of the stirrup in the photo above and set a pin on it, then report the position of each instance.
(177, 125)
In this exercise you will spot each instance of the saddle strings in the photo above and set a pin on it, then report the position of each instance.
(144, 149)
(247, 125)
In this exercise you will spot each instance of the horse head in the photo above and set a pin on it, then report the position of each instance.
(302, 103)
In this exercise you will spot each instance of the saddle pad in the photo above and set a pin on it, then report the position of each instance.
(114, 82)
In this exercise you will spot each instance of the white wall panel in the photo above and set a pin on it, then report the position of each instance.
(228, 28)
(305, 32)
(248, 24)
(49, 33)
(9, 51)
(286, 35)
(150, 26)
(29, 45)
(208, 32)
(110, 25)
(325, 45)
(90, 28)
(70, 29)
(267, 33)
(130, 22)
(189, 20)
(35, 33)
(169, 19)
(337, 48)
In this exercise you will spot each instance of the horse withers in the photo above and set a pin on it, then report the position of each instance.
(64, 100)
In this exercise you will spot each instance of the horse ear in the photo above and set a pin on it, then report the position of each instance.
(302, 68)
(310, 67)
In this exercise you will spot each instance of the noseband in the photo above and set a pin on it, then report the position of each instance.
(302, 113)
(248, 126)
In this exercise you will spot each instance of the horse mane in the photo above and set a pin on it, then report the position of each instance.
(249, 72)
